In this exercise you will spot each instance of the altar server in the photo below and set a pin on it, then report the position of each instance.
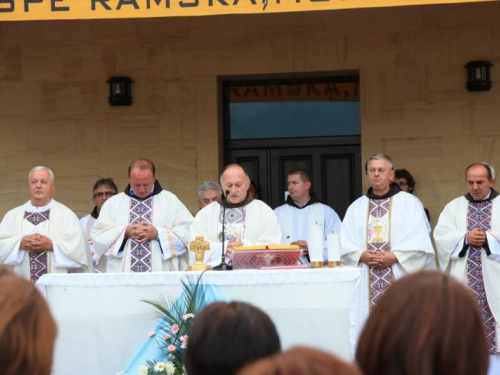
(468, 243)
(303, 209)
(247, 221)
(143, 229)
(385, 231)
(42, 236)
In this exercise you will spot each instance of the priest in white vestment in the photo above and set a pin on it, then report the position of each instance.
(43, 236)
(145, 228)
(247, 221)
(385, 232)
(301, 210)
(104, 188)
(467, 238)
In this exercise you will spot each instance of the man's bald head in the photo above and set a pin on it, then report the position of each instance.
(234, 180)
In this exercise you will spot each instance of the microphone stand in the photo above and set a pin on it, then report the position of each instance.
(223, 266)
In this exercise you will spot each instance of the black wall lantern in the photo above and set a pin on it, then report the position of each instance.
(120, 91)
(478, 76)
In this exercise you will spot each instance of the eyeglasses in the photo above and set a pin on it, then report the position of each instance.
(102, 194)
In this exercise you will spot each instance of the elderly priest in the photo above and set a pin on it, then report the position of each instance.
(247, 221)
(467, 238)
(385, 231)
(42, 236)
(143, 229)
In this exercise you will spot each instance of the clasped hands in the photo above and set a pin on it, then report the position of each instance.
(378, 259)
(141, 232)
(476, 237)
(37, 243)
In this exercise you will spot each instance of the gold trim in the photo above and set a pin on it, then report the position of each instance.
(317, 264)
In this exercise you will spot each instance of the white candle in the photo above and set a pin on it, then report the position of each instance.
(333, 242)
(315, 244)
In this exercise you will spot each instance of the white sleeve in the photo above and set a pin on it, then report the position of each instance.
(61, 260)
(170, 244)
(16, 256)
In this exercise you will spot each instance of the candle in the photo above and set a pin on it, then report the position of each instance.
(315, 244)
(333, 242)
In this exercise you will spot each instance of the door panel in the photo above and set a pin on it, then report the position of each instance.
(335, 171)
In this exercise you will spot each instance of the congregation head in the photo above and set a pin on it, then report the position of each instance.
(301, 361)
(479, 180)
(208, 192)
(225, 337)
(425, 324)
(235, 182)
(27, 329)
(41, 185)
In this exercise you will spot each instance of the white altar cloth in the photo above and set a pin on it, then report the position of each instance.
(102, 321)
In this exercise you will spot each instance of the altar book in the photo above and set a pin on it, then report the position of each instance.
(266, 256)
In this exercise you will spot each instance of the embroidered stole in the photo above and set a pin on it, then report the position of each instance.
(38, 261)
(234, 226)
(479, 216)
(141, 254)
(378, 234)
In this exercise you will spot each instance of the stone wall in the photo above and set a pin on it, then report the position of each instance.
(54, 110)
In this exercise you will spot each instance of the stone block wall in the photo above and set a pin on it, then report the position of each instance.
(54, 110)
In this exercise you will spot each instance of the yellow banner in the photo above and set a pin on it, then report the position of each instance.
(26, 10)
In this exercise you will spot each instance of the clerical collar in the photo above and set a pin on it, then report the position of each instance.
(313, 199)
(393, 190)
(28, 206)
(492, 195)
(94, 213)
(157, 189)
(226, 204)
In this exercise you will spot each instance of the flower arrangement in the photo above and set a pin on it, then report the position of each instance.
(175, 319)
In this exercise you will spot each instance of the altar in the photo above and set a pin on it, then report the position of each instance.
(102, 321)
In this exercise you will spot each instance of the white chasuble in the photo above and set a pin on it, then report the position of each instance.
(404, 233)
(166, 253)
(253, 224)
(55, 221)
(477, 268)
(295, 223)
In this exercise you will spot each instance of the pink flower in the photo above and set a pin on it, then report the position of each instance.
(184, 338)
(184, 345)
(175, 328)
(171, 348)
(167, 337)
(187, 316)
(152, 333)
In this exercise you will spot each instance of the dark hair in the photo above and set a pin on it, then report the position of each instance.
(301, 361)
(304, 175)
(486, 166)
(226, 336)
(403, 173)
(27, 329)
(142, 164)
(105, 182)
(425, 324)
(254, 189)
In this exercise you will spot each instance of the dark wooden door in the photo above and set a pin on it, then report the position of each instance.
(334, 164)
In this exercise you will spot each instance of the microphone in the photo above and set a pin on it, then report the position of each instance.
(223, 266)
